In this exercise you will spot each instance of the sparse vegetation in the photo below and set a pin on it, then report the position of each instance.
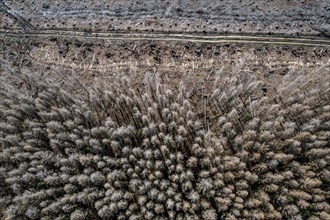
(122, 153)
(226, 16)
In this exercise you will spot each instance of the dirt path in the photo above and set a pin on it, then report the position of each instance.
(253, 39)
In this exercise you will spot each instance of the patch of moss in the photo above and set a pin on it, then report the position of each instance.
(41, 185)
(246, 116)
(307, 212)
(89, 150)
(290, 199)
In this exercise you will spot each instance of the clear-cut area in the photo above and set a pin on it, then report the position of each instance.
(288, 17)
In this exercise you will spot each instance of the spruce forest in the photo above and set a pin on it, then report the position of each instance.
(118, 151)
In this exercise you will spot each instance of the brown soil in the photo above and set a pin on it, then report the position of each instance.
(93, 60)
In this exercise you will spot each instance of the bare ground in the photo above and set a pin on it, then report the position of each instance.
(91, 60)
(285, 17)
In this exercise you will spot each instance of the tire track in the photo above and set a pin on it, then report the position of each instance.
(252, 39)
(17, 17)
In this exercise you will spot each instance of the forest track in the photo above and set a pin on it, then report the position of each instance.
(197, 38)
(16, 16)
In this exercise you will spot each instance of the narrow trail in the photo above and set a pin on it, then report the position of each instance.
(198, 38)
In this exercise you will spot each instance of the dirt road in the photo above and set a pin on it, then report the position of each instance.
(253, 39)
